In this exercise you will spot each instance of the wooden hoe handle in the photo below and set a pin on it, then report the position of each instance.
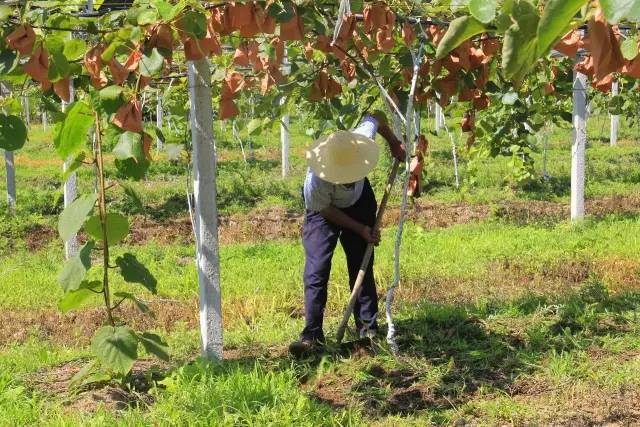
(367, 254)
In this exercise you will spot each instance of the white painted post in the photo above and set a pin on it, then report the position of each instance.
(11, 179)
(615, 119)
(159, 120)
(438, 117)
(206, 212)
(579, 145)
(284, 123)
(27, 113)
(45, 124)
(70, 188)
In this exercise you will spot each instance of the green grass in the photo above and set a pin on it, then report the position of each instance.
(498, 321)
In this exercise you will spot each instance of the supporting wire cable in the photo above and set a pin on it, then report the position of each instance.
(412, 131)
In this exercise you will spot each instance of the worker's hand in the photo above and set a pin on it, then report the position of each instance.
(370, 235)
(398, 151)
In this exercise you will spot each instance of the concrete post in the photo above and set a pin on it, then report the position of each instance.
(579, 145)
(11, 179)
(45, 123)
(439, 117)
(284, 124)
(70, 188)
(615, 119)
(27, 111)
(159, 120)
(206, 213)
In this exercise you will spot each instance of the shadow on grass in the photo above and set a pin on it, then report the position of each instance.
(457, 350)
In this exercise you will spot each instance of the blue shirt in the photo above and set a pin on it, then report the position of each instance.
(320, 194)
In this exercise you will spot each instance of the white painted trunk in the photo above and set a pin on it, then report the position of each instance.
(284, 140)
(206, 213)
(27, 111)
(615, 119)
(439, 117)
(70, 188)
(159, 121)
(11, 179)
(579, 146)
(45, 123)
(284, 125)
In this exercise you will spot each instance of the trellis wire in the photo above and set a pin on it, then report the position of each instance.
(411, 128)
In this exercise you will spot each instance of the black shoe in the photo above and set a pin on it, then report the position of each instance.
(304, 348)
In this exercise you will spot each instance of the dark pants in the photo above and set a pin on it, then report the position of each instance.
(319, 239)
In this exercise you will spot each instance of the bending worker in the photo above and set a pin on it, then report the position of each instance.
(340, 205)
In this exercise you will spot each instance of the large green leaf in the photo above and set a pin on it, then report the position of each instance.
(116, 348)
(129, 146)
(194, 24)
(74, 270)
(132, 168)
(520, 41)
(74, 49)
(151, 63)
(74, 215)
(460, 30)
(554, 22)
(483, 10)
(117, 227)
(629, 48)
(111, 98)
(616, 10)
(73, 299)
(9, 60)
(5, 12)
(155, 345)
(58, 66)
(13, 132)
(135, 272)
(74, 130)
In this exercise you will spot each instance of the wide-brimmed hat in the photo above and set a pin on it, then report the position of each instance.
(343, 157)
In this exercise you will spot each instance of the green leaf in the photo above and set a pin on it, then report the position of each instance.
(111, 98)
(460, 30)
(117, 228)
(58, 66)
(73, 166)
(13, 132)
(282, 12)
(616, 10)
(483, 10)
(147, 16)
(194, 24)
(554, 22)
(132, 195)
(129, 146)
(151, 65)
(73, 299)
(73, 133)
(134, 272)
(74, 270)
(629, 48)
(74, 215)
(9, 60)
(116, 348)
(132, 168)
(74, 49)
(520, 41)
(144, 308)
(155, 345)
(254, 125)
(5, 12)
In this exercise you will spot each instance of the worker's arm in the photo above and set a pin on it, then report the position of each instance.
(341, 219)
(395, 145)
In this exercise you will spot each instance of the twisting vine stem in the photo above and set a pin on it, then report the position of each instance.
(102, 206)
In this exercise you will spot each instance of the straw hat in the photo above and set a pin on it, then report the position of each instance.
(343, 157)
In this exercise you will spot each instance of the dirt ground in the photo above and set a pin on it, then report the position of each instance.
(280, 224)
